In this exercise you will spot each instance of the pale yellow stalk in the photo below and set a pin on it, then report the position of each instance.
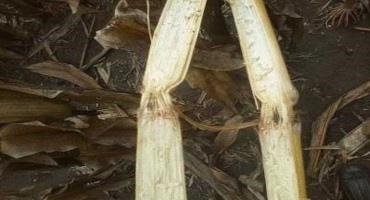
(159, 159)
(279, 127)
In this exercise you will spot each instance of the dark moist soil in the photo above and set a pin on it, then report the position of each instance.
(324, 65)
(331, 62)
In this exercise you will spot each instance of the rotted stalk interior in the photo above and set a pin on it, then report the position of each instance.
(279, 129)
(159, 158)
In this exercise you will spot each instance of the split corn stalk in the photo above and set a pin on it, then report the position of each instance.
(279, 129)
(159, 158)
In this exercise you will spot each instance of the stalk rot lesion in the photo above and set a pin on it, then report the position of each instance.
(155, 105)
(159, 168)
(160, 165)
(279, 129)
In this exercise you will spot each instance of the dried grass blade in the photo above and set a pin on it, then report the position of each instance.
(20, 107)
(66, 72)
(322, 123)
(223, 58)
(203, 126)
(226, 138)
(205, 173)
(19, 140)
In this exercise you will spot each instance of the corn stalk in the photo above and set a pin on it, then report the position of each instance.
(159, 158)
(279, 129)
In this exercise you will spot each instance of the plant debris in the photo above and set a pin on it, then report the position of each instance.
(322, 123)
(70, 85)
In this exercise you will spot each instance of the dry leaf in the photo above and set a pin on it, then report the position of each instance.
(111, 111)
(19, 140)
(128, 27)
(48, 93)
(200, 169)
(36, 183)
(117, 131)
(19, 107)
(218, 85)
(98, 127)
(229, 182)
(78, 122)
(356, 139)
(98, 191)
(105, 73)
(322, 123)
(41, 159)
(99, 156)
(226, 138)
(126, 138)
(66, 72)
(129, 102)
(220, 58)
(6, 54)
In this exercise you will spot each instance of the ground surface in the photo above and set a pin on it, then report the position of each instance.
(333, 62)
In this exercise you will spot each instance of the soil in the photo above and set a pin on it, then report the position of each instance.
(332, 62)
(324, 65)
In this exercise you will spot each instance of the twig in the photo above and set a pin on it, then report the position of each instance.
(362, 29)
(87, 41)
(330, 147)
(148, 19)
(327, 192)
(257, 194)
(95, 59)
(325, 6)
(56, 33)
(201, 97)
(217, 128)
(50, 52)
(84, 26)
